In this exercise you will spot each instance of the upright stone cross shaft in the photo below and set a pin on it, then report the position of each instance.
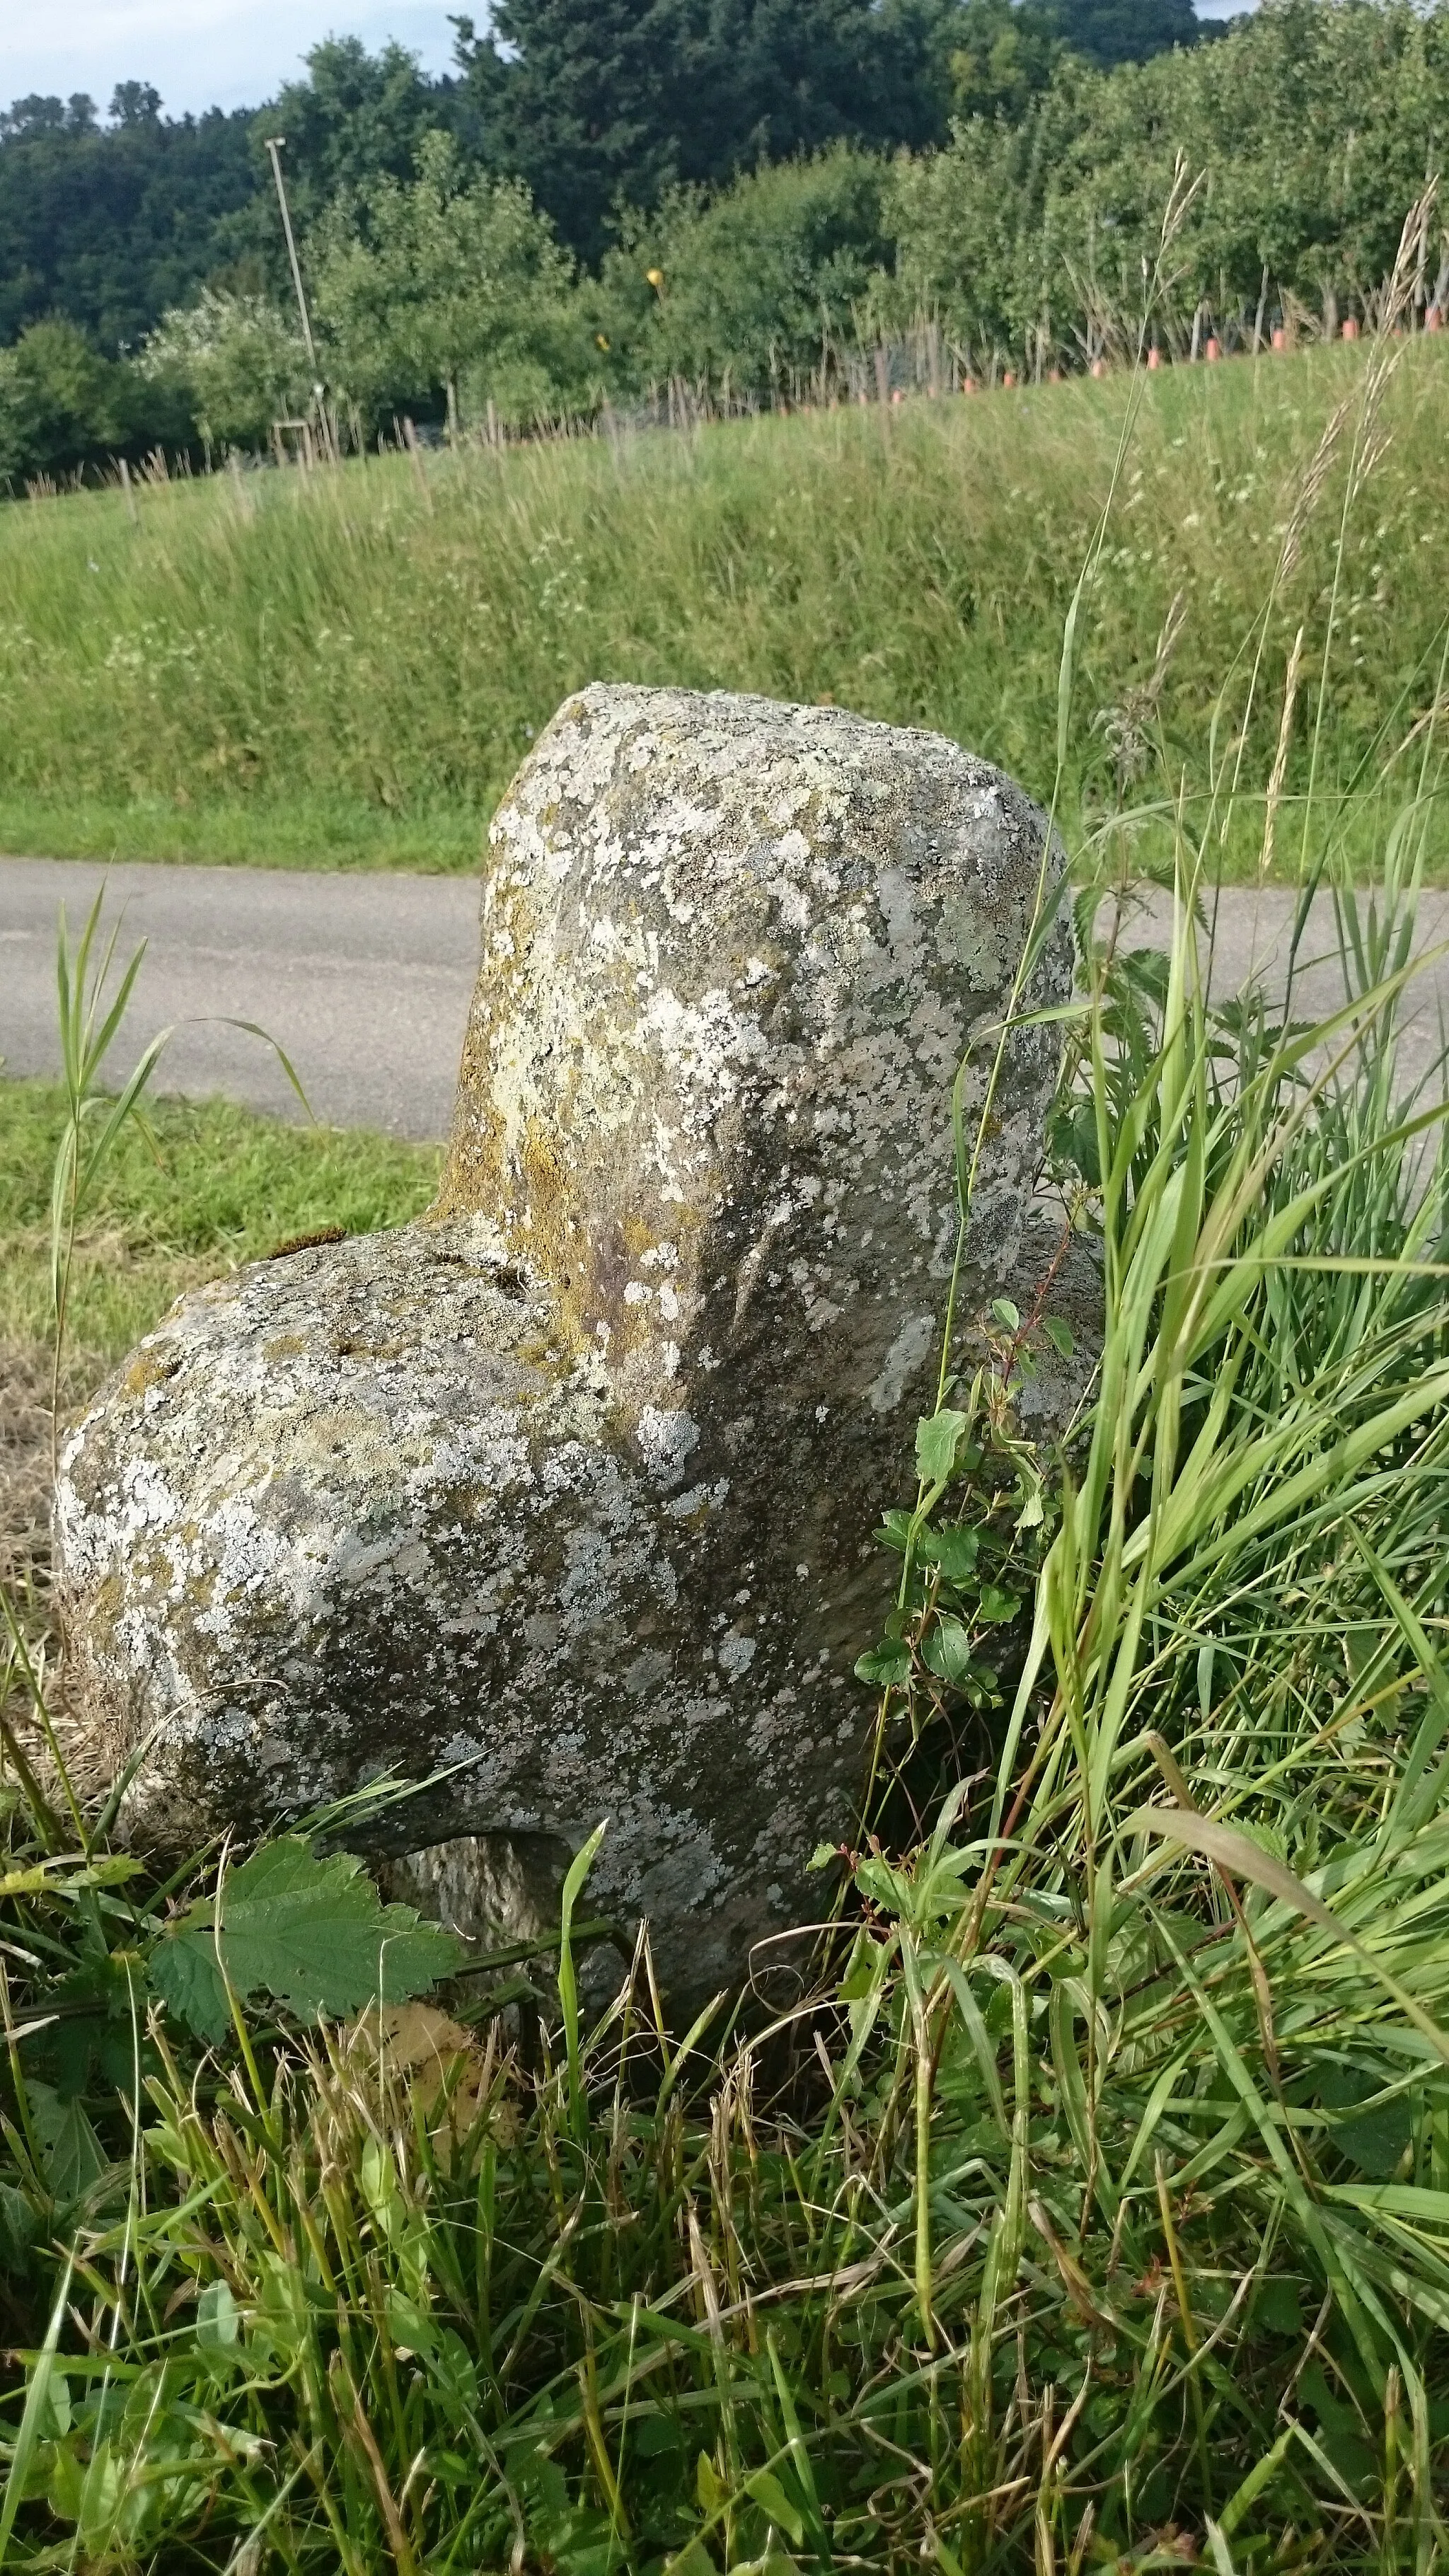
(567, 1490)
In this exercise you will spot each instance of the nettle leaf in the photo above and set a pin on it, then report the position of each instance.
(313, 1934)
(887, 1666)
(71, 2153)
(937, 1441)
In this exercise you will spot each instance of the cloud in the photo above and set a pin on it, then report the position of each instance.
(198, 53)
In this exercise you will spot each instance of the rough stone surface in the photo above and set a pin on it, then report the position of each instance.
(567, 1490)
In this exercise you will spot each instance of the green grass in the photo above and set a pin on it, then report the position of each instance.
(1095, 2211)
(329, 671)
(1092, 2212)
(215, 1186)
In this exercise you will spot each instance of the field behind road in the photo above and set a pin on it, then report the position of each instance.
(344, 669)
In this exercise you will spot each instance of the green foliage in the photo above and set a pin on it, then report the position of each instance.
(1312, 128)
(722, 164)
(357, 118)
(308, 1932)
(60, 403)
(758, 287)
(242, 360)
(447, 284)
(167, 685)
(1109, 32)
(108, 226)
(1005, 52)
(604, 104)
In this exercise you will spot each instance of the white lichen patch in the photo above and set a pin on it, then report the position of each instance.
(561, 1501)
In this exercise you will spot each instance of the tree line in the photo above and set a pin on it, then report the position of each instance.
(740, 197)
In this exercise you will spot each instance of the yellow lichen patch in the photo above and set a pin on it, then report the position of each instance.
(284, 1346)
(148, 1369)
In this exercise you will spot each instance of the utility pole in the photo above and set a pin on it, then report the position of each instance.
(275, 146)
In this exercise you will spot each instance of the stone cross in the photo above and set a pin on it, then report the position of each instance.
(560, 1500)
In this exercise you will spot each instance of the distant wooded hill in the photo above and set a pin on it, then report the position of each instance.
(739, 200)
(594, 104)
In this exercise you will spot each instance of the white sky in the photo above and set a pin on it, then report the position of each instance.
(199, 53)
(218, 53)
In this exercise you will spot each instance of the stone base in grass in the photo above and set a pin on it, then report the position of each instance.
(561, 1500)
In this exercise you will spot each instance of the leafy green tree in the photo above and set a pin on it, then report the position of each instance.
(451, 285)
(242, 360)
(753, 287)
(109, 226)
(601, 104)
(571, 96)
(1108, 32)
(1004, 53)
(63, 405)
(1312, 125)
(355, 119)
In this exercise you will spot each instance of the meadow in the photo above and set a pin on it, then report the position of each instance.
(1091, 2211)
(343, 669)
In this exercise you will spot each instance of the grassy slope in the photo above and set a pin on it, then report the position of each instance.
(345, 671)
(221, 1187)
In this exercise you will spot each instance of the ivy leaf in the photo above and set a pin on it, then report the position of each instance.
(937, 1441)
(310, 1933)
(887, 1666)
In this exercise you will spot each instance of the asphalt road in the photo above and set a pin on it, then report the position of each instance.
(365, 980)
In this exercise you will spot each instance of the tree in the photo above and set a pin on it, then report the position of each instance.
(571, 97)
(1124, 31)
(601, 104)
(135, 103)
(356, 118)
(1004, 53)
(62, 405)
(242, 359)
(452, 285)
(111, 226)
(753, 280)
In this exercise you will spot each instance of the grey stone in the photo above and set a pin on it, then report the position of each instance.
(566, 1492)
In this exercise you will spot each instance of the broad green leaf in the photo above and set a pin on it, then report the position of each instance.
(938, 1438)
(772, 2500)
(952, 1551)
(1004, 1313)
(995, 1604)
(947, 1650)
(310, 1933)
(887, 1666)
(218, 2323)
(69, 2145)
(1059, 1334)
